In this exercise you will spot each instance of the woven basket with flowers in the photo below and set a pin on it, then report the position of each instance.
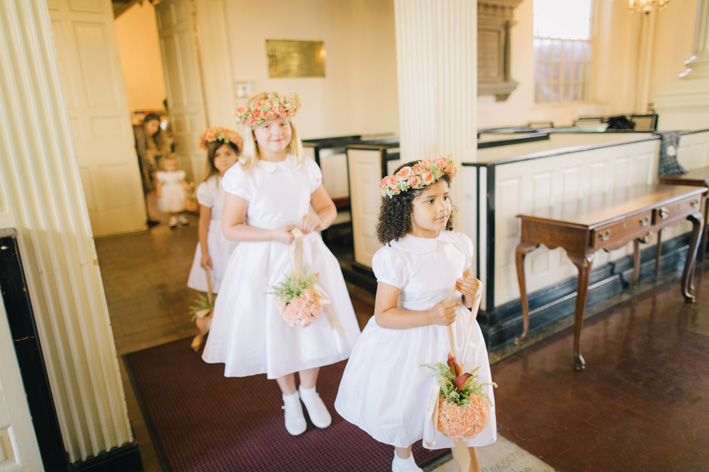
(298, 301)
(459, 406)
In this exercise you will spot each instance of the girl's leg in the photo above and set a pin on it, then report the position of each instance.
(474, 463)
(287, 384)
(404, 460)
(308, 378)
(182, 219)
(173, 220)
(293, 411)
(403, 452)
(313, 403)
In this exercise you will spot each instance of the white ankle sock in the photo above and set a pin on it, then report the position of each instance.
(295, 421)
(316, 408)
(404, 465)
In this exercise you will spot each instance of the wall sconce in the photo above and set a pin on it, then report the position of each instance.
(646, 6)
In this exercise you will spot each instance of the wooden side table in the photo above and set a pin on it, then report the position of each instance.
(695, 178)
(608, 221)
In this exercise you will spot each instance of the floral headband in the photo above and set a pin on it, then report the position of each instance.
(220, 134)
(417, 177)
(270, 108)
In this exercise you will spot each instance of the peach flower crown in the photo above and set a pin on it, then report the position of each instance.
(220, 134)
(418, 176)
(270, 108)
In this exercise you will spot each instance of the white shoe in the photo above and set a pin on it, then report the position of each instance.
(404, 465)
(295, 421)
(316, 408)
(183, 220)
(173, 222)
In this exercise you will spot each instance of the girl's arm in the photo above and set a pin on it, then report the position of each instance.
(325, 212)
(468, 285)
(235, 228)
(205, 214)
(389, 315)
(187, 186)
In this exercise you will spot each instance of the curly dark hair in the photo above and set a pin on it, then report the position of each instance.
(395, 212)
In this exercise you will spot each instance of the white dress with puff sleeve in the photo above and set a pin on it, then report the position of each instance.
(248, 334)
(210, 194)
(385, 388)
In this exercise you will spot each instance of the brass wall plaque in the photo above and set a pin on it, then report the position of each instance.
(295, 58)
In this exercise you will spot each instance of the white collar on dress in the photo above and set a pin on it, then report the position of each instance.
(418, 245)
(289, 162)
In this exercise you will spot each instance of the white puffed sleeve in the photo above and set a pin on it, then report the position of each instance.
(207, 193)
(466, 245)
(314, 173)
(389, 267)
(238, 182)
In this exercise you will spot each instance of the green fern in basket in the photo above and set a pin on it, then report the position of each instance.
(203, 308)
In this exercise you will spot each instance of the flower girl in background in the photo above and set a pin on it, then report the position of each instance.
(213, 249)
(172, 189)
(386, 385)
(269, 194)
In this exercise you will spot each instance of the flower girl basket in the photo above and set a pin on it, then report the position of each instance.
(299, 298)
(203, 314)
(459, 423)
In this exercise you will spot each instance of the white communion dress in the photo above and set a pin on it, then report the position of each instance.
(173, 194)
(385, 388)
(210, 194)
(248, 334)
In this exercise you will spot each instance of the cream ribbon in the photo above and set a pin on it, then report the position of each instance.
(296, 262)
(431, 427)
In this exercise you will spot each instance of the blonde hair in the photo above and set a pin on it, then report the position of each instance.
(251, 153)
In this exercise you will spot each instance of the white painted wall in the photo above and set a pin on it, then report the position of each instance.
(139, 50)
(674, 37)
(361, 75)
(615, 68)
(358, 94)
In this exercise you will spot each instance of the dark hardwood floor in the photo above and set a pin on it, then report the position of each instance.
(642, 404)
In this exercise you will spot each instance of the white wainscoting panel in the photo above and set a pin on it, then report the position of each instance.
(365, 175)
(546, 182)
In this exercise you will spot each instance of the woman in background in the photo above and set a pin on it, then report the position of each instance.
(151, 144)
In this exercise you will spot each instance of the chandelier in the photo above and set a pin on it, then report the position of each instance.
(646, 6)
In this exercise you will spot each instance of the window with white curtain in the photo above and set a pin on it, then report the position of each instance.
(562, 50)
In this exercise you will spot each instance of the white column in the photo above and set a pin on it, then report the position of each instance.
(436, 49)
(684, 104)
(42, 197)
(698, 64)
(215, 58)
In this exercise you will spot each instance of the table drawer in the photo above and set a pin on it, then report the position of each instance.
(675, 210)
(607, 235)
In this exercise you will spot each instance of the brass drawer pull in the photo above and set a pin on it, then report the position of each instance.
(604, 235)
(644, 221)
(695, 204)
(664, 212)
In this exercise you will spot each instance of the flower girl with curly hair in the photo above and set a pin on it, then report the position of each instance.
(386, 385)
(268, 195)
